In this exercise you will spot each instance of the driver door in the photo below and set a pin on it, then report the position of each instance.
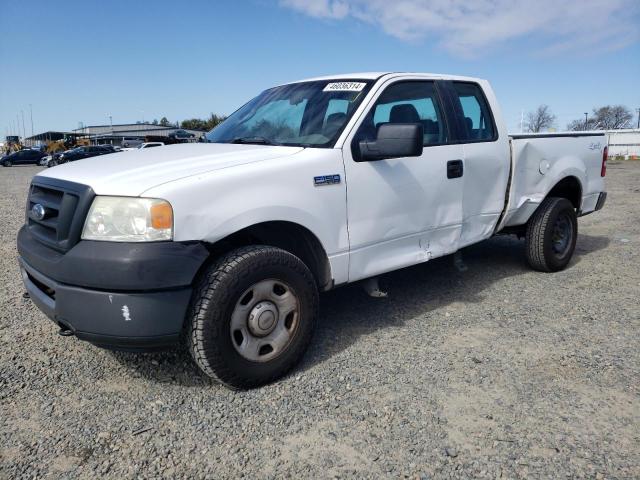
(403, 211)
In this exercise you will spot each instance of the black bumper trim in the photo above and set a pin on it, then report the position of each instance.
(130, 344)
(116, 266)
(146, 320)
(602, 198)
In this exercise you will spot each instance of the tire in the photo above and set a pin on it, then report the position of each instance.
(52, 163)
(225, 332)
(551, 235)
(6, 163)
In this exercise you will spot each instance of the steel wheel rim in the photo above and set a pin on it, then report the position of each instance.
(265, 320)
(562, 235)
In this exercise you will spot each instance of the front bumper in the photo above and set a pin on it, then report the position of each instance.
(122, 296)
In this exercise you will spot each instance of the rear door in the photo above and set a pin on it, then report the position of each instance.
(19, 157)
(487, 159)
(27, 156)
(33, 156)
(406, 210)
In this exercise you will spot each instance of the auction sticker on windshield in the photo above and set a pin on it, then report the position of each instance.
(344, 87)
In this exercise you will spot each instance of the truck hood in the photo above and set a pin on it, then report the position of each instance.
(132, 173)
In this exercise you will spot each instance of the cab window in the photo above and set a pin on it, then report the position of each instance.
(477, 122)
(407, 102)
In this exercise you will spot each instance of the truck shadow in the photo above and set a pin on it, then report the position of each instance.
(348, 313)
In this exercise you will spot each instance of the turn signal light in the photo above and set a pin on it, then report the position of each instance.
(161, 216)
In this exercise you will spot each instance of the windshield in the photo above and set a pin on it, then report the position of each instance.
(308, 114)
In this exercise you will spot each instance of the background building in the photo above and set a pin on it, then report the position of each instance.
(624, 143)
(118, 134)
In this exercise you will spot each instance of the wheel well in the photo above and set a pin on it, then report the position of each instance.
(288, 236)
(569, 188)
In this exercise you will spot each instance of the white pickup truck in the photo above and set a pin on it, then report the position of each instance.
(310, 185)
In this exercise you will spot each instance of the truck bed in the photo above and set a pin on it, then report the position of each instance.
(535, 161)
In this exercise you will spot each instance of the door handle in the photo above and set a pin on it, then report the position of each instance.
(455, 168)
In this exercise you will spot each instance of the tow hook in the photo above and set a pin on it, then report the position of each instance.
(65, 332)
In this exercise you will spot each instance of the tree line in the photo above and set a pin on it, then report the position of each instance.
(192, 123)
(609, 117)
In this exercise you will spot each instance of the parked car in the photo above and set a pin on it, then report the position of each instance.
(52, 159)
(151, 145)
(79, 153)
(309, 186)
(131, 142)
(181, 135)
(23, 157)
(114, 148)
(110, 148)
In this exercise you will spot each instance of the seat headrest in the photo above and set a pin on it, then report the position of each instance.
(404, 113)
(469, 124)
(333, 124)
(431, 127)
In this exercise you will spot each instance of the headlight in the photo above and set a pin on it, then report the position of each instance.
(129, 219)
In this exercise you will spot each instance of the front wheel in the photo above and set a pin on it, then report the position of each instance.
(252, 316)
(6, 163)
(551, 235)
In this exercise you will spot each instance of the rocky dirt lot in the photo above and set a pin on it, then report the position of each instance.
(496, 371)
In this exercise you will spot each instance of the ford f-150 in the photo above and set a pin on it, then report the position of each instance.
(226, 244)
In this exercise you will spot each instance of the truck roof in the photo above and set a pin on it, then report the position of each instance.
(376, 75)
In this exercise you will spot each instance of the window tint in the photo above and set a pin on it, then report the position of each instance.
(478, 123)
(407, 102)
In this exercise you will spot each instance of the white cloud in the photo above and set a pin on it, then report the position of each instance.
(471, 27)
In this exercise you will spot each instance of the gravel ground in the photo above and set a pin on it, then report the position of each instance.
(497, 371)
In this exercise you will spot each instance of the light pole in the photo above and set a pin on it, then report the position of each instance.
(31, 113)
(586, 120)
(638, 110)
(24, 133)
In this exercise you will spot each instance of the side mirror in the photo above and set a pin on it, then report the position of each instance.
(394, 140)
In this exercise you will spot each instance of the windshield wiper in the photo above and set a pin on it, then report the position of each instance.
(254, 140)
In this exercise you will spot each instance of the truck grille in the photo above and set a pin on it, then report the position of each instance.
(65, 207)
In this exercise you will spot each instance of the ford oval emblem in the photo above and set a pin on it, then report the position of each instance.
(38, 212)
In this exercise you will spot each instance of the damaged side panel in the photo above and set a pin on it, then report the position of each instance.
(539, 163)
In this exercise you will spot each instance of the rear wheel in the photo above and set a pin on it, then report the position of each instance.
(551, 235)
(252, 316)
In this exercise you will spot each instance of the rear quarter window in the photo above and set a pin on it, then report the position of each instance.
(477, 123)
